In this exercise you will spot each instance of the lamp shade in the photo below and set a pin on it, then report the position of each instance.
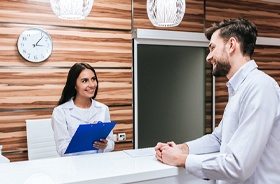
(166, 13)
(71, 9)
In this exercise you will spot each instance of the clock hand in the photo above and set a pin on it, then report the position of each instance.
(38, 41)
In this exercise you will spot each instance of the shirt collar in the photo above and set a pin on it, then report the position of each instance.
(70, 104)
(237, 79)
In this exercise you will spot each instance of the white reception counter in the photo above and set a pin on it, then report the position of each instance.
(105, 168)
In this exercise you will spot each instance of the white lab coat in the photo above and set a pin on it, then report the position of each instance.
(66, 118)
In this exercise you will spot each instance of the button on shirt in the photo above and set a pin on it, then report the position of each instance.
(247, 140)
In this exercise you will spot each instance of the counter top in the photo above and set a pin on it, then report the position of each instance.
(113, 167)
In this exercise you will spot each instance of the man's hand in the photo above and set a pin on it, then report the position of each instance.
(184, 148)
(158, 149)
(171, 154)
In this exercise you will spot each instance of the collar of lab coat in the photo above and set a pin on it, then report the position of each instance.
(94, 106)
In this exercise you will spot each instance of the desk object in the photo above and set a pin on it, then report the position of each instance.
(40, 139)
(142, 152)
(97, 169)
(2, 158)
(87, 134)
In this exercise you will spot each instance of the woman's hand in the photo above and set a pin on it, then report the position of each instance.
(101, 145)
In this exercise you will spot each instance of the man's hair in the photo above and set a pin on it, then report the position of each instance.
(244, 31)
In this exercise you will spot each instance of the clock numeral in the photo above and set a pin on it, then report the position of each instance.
(34, 45)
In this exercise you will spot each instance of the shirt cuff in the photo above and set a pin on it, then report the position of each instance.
(193, 165)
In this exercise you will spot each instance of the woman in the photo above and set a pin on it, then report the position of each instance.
(77, 106)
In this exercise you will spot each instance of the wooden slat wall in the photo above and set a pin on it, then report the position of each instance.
(106, 14)
(208, 98)
(193, 20)
(103, 39)
(103, 48)
(31, 90)
(13, 130)
(263, 13)
(266, 16)
(25, 88)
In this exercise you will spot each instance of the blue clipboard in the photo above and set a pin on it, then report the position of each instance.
(87, 134)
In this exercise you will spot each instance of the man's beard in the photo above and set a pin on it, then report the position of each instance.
(222, 68)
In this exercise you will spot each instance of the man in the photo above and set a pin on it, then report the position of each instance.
(247, 140)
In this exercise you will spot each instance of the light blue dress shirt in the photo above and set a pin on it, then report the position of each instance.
(247, 140)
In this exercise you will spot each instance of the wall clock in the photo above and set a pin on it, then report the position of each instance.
(34, 45)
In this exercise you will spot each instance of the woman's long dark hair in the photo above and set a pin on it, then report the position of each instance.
(69, 90)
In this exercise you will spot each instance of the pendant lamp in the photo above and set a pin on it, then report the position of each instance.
(71, 9)
(166, 13)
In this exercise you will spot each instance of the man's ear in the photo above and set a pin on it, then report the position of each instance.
(232, 43)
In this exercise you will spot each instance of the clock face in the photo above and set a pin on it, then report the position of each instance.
(34, 45)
